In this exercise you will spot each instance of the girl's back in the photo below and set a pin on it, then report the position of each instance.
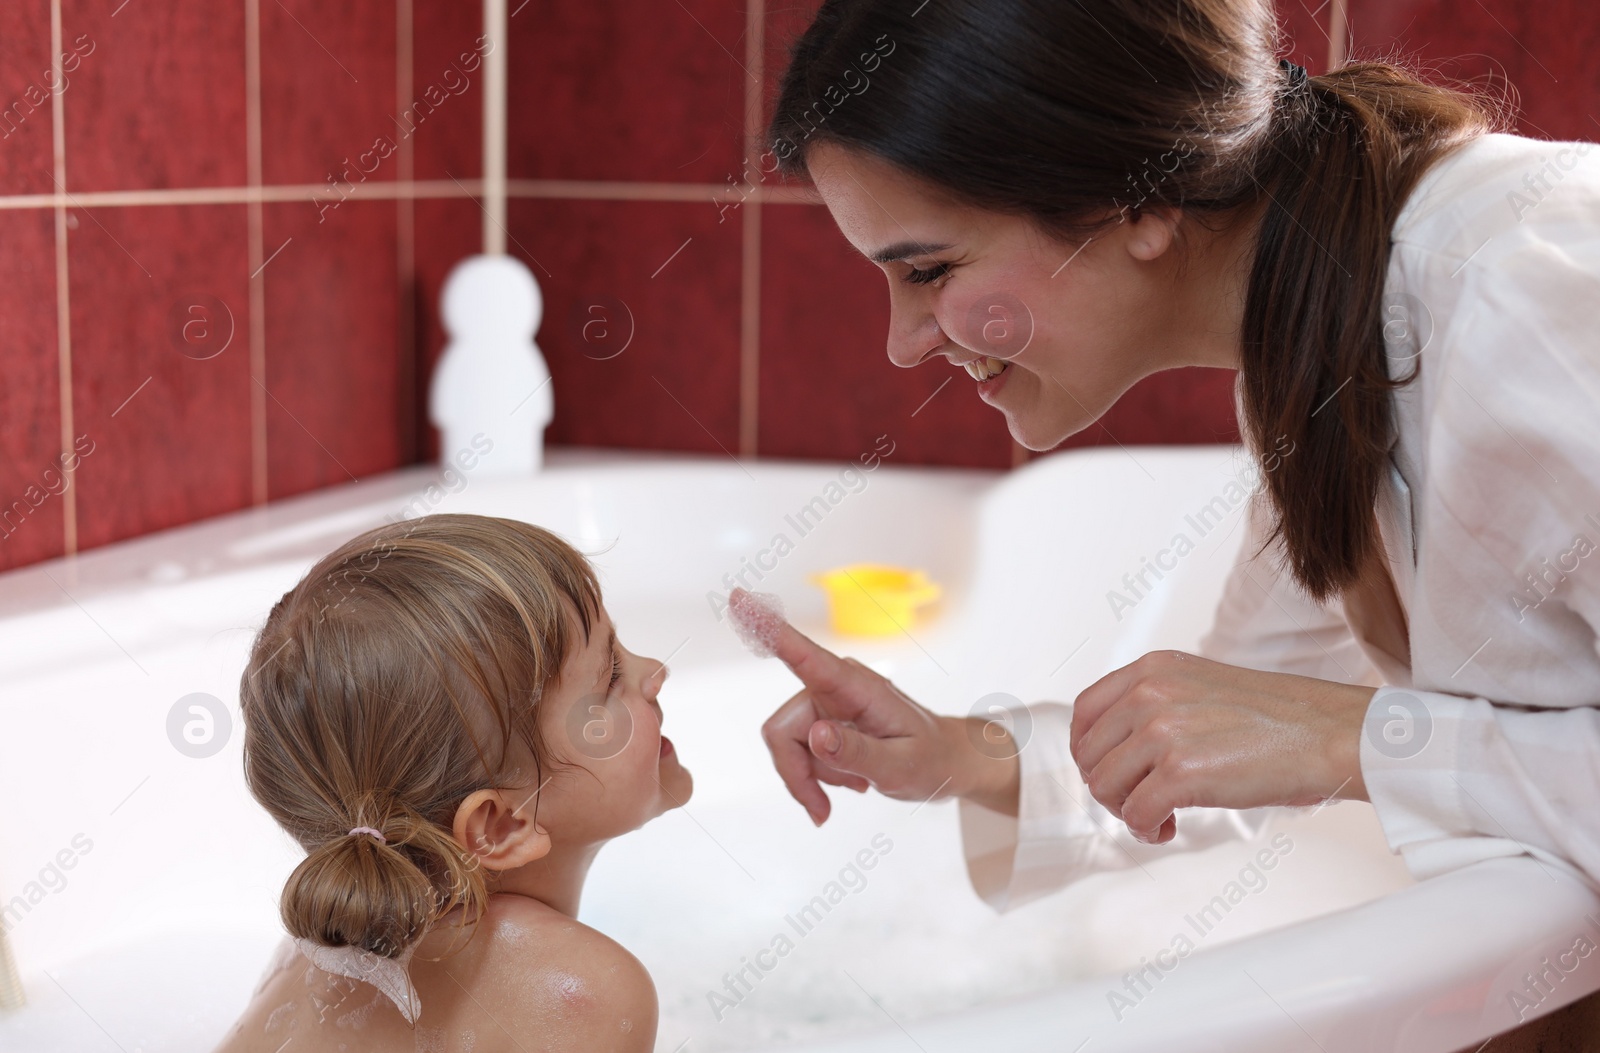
(530, 980)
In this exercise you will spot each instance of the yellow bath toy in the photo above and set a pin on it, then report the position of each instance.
(868, 599)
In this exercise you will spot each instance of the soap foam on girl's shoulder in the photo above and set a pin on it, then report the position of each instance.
(757, 620)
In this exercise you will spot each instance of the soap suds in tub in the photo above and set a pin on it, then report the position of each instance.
(757, 619)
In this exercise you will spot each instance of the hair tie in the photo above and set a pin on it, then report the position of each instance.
(1297, 74)
(368, 830)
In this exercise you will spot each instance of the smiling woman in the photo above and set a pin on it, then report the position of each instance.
(1068, 200)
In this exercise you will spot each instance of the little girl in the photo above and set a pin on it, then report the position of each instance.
(441, 714)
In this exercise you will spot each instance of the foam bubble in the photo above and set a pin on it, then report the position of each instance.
(278, 1016)
(757, 620)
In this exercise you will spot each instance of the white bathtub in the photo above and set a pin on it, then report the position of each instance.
(165, 919)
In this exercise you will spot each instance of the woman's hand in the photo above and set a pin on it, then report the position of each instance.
(851, 727)
(1173, 730)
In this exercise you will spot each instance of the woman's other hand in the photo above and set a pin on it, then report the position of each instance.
(1173, 730)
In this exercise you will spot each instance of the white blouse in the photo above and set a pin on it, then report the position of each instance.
(1488, 743)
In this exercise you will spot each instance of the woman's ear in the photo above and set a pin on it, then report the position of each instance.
(1152, 231)
(491, 827)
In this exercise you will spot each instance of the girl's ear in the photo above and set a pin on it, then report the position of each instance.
(490, 825)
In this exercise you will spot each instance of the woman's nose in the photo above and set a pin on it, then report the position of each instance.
(913, 335)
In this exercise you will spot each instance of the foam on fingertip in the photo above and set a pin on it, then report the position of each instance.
(757, 620)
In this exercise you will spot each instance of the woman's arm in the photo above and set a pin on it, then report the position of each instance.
(1501, 745)
(1494, 746)
(1029, 826)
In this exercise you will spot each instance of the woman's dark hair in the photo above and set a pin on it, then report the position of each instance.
(1078, 114)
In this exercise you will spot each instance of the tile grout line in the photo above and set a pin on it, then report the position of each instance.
(385, 190)
(1338, 33)
(493, 201)
(407, 351)
(254, 222)
(241, 195)
(750, 237)
(58, 149)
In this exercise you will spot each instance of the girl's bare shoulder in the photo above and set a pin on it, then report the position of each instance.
(554, 972)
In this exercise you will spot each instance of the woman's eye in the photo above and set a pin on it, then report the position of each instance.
(616, 669)
(917, 276)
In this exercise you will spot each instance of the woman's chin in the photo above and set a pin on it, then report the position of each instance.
(1025, 431)
(1039, 432)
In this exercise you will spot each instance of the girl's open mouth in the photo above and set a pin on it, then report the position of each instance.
(666, 745)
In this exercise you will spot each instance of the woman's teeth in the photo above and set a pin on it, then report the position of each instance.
(984, 368)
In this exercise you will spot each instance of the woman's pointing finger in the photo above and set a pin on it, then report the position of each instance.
(763, 626)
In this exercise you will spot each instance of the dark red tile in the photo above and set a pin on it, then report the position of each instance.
(784, 25)
(1544, 51)
(327, 93)
(31, 482)
(664, 273)
(332, 344)
(444, 116)
(448, 231)
(28, 84)
(1305, 28)
(828, 389)
(616, 91)
(1176, 407)
(160, 378)
(160, 101)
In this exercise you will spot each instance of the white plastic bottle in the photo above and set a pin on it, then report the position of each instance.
(491, 382)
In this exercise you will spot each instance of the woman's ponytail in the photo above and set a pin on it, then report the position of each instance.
(1344, 151)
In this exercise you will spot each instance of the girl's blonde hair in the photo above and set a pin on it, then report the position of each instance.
(385, 688)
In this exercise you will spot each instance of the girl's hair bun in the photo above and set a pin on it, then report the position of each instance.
(381, 896)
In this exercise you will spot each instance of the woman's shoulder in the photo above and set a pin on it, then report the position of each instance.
(1496, 183)
(1496, 266)
(552, 971)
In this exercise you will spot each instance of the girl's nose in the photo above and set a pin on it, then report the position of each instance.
(657, 678)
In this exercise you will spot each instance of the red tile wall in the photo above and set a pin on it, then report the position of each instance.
(33, 512)
(226, 279)
(171, 442)
(666, 273)
(332, 326)
(26, 86)
(158, 99)
(628, 92)
(327, 89)
(1541, 54)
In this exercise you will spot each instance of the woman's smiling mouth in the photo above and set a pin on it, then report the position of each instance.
(982, 369)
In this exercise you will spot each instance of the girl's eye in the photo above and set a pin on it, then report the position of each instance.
(921, 277)
(616, 669)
